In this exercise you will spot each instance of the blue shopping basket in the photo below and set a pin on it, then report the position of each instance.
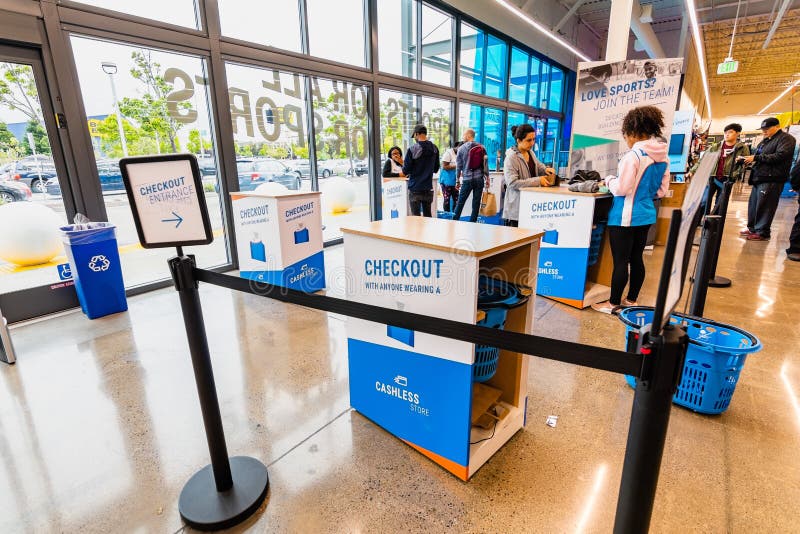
(714, 359)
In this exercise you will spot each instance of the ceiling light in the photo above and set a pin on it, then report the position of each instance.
(519, 13)
(698, 46)
(795, 84)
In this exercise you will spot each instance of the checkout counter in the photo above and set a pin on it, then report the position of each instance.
(423, 388)
(575, 263)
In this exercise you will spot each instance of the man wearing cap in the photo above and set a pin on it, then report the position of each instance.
(420, 163)
(771, 164)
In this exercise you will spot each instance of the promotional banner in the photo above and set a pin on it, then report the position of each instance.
(605, 92)
(680, 139)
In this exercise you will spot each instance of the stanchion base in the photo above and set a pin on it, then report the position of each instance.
(719, 281)
(204, 508)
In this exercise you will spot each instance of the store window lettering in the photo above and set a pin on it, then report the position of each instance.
(260, 115)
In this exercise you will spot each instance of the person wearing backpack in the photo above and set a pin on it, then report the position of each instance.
(473, 170)
(643, 175)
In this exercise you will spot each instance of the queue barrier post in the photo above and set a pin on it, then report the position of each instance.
(647, 434)
(705, 260)
(229, 490)
(714, 280)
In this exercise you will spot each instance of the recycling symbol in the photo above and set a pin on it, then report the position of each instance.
(99, 263)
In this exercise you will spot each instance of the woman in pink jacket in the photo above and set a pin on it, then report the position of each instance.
(643, 176)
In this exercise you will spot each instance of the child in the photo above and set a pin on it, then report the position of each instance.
(643, 176)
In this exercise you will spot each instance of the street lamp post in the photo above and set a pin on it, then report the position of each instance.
(111, 69)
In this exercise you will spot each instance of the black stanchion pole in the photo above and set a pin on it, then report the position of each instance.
(652, 403)
(705, 257)
(714, 280)
(229, 490)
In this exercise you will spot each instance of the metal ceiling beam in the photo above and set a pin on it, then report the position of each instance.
(569, 15)
(645, 34)
(781, 13)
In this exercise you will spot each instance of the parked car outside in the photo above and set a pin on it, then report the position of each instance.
(107, 170)
(32, 173)
(11, 191)
(325, 168)
(359, 168)
(208, 167)
(254, 172)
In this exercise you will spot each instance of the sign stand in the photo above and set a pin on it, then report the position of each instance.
(664, 351)
(169, 210)
(229, 490)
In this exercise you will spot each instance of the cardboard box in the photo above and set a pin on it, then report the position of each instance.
(675, 195)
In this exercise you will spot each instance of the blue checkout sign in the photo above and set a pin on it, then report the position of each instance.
(167, 199)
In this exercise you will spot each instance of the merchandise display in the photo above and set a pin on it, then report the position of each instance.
(432, 266)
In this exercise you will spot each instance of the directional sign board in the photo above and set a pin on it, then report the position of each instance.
(691, 204)
(167, 200)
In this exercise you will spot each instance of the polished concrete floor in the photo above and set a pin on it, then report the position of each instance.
(100, 425)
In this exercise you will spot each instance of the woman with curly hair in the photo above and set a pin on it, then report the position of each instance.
(643, 175)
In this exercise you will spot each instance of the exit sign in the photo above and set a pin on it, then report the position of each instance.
(728, 66)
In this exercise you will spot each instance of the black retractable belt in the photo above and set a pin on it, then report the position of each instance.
(615, 361)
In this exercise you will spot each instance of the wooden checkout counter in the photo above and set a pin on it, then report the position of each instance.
(420, 387)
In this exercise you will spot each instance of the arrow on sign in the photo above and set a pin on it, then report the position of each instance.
(177, 220)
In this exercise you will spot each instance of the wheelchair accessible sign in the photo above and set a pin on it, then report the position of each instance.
(167, 199)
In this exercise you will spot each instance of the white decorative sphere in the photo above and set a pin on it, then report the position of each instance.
(271, 188)
(30, 233)
(338, 194)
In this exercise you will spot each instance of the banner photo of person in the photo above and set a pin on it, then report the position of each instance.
(605, 92)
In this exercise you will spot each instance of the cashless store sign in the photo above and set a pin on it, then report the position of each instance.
(167, 200)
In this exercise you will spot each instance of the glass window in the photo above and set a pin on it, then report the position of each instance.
(27, 174)
(397, 37)
(471, 75)
(544, 87)
(399, 114)
(436, 114)
(483, 62)
(342, 141)
(178, 12)
(493, 137)
(535, 81)
(470, 116)
(162, 100)
(496, 60)
(437, 43)
(518, 79)
(556, 89)
(244, 19)
(515, 118)
(550, 142)
(336, 30)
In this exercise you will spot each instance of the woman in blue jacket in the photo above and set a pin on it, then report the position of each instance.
(643, 175)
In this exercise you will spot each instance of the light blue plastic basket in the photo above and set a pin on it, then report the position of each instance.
(714, 359)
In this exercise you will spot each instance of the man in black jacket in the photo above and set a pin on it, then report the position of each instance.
(420, 164)
(772, 159)
(793, 252)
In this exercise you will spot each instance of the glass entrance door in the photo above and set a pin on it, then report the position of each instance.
(34, 277)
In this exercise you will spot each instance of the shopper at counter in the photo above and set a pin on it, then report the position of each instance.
(393, 168)
(643, 174)
(420, 163)
(522, 169)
